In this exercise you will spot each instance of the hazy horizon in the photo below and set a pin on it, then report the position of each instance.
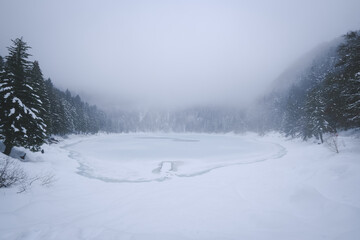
(170, 54)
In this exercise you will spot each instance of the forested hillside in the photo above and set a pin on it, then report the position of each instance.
(323, 98)
(32, 109)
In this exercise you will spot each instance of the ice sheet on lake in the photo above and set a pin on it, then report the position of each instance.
(143, 158)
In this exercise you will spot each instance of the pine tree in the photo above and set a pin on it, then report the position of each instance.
(342, 86)
(18, 120)
(57, 123)
(294, 113)
(39, 103)
(49, 122)
(3, 93)
(2, 64)
(79, 115)
(349, 64)
(335, 103)
(316, 120)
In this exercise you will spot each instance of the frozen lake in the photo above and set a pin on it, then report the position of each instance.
(157, 157)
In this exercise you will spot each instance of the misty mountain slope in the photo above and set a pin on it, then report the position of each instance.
(322, 55)
(269, 113)
(307, 192)
(319, 97)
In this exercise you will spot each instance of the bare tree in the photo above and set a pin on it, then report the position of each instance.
(332, 143)
(11, 173)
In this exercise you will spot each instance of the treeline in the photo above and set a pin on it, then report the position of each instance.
(69, 114)
(325, 99)
(196, 119)
(32, 109)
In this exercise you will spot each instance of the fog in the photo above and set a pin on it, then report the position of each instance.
(170, 54)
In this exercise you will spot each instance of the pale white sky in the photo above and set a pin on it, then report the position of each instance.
(146, 53)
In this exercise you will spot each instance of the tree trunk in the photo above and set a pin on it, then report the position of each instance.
(321, 137)
(8, 148)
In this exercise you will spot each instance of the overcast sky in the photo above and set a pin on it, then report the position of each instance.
(171, 53)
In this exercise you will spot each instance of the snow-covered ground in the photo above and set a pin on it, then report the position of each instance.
(187, 186)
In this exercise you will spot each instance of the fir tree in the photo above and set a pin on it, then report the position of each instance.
(342, 86)
(57, 122)
(294, 114)
(19, 121)
(3, 93)
(39, 103)
(349, 64)
(2, 64)
(335, 102)
(316, 120)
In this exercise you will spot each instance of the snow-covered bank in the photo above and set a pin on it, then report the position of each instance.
(308, 193)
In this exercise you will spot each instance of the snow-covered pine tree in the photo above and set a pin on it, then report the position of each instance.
(39, 103)
(18, 120)
(81, 125)
(58, 123)
(2, 93)
(55, 110)
(335, 103)
(316, 123)
(294, 113)
(349, 63)
(96, 119)
(71, 116)
(2, 64)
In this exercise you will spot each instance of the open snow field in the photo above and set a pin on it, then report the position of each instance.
(187, 186)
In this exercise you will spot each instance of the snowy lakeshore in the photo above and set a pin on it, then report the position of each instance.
(187, 186)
